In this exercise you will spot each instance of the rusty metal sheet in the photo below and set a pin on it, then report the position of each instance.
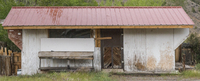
(96, 16)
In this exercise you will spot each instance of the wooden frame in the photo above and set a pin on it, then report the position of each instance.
(95, 27)
(64, 55)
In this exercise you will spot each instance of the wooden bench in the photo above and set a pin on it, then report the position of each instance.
(63, 55)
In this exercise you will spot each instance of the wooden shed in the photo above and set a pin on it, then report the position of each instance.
(132, 39)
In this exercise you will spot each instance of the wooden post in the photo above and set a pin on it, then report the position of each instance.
(1, 65)
(183, 62)
(1, 51)
(9, 52)
(5, 53)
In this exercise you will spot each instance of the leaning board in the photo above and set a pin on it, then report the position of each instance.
(67, 44)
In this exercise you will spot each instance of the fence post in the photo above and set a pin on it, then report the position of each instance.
(183, 62)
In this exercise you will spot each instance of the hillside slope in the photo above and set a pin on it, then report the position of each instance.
(194, 14)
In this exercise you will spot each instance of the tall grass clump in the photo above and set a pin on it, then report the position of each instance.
(191, 74)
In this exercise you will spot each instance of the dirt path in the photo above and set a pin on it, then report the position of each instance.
(151, 78)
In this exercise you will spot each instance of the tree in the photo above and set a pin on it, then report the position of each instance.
(4, 38)
(194, 43)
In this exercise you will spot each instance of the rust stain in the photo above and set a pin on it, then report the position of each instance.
(151, 63)
(166, 63)
(55, 14)
(16, 37)
(140, 66)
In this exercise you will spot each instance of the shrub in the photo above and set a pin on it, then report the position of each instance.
(197, 67)
(193, 10)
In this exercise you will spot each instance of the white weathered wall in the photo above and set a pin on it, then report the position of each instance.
(30, 47)
(67, 44)
(151, 49)
(97, 59)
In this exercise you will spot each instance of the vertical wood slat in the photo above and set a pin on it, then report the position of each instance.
(5, 66)
(1, 51)
(9, 52)
(5, 53)
(1, 65)
(16, 61)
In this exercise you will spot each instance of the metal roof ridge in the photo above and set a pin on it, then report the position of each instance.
(96, 7)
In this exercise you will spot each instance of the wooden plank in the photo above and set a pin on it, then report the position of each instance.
(1, 51)
(15, 59)
(5, 53)
(8, 66)
(16, 67)
(89, 58)
(96, 27)
(64, 54)
(17, 63)
(62, 68)
(1, 64)
(103, 38)
(9, 52)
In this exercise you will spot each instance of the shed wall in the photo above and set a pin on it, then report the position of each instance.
(31, 47)
(151, 49)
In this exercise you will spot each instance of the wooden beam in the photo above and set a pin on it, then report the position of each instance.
(97, 35)
(103, 38)
(64, 54)
(95, 27)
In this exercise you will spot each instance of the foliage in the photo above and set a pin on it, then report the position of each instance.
(193, 10)
(197, 67)
(164, 3)
(196, 1)
(199, 9)
(4, 38)
(132, 3)
(6, 5)
(144, 3)
(194, 43)
(176, 3)
(112, 3)
(67, 3)
(63, 76)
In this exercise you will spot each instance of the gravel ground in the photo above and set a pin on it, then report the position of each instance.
(151, 78)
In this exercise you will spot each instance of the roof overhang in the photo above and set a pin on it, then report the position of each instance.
(95, 27)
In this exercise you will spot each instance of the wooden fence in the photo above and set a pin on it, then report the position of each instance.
(9, 62)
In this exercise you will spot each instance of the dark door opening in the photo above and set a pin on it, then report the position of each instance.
(112, 49)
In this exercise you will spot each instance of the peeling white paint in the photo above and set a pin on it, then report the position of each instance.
(97, 59)
(31, 46)
(151, 49)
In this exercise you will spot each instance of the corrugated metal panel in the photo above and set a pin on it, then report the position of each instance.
(96, 16)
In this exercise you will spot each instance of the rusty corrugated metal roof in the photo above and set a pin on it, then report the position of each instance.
(97, 16)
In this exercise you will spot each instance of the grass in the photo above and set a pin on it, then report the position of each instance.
(191, 74)
(63, 76)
